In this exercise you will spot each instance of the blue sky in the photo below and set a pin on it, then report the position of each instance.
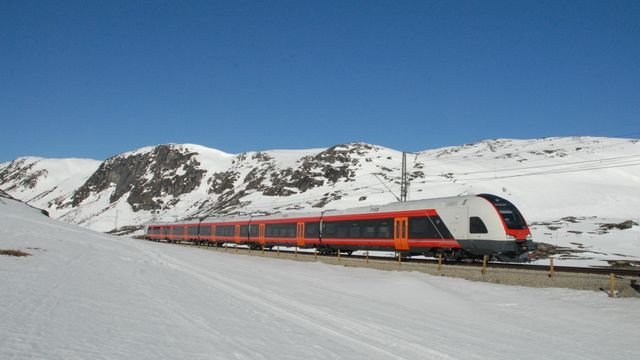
(93, 79)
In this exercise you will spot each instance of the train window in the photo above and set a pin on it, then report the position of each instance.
(205, 230)
(421, 227)
(342, 230)
(192, 230)
(509, 213)
(312, 229)
(425, 227)
(244, 230)
(385, 229)
(354, 230)
(291, 230)
(381, 228)
(178, 231)
(476, 226)
(281, 230)
(369, 230)
(253, 230)
(442, 228)
(329, 229)
(225, 230)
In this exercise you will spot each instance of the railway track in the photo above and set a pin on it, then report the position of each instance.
(633, 272)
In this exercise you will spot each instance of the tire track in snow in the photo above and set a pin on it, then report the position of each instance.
(340, 329)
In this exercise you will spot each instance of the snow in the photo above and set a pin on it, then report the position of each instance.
(84, 294)
(58, 179)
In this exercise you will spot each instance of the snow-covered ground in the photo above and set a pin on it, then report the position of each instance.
(87, 295)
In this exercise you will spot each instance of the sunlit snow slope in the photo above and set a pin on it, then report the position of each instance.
(87, 295)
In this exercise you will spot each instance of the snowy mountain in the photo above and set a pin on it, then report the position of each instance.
(80, 294)
(591, 181)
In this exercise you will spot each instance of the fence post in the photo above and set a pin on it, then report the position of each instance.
(338, 254)
(278, 250)
(552, 270)
(295, 254)
(262, 247)
(439, 262)
(612, 285)
(399, 259)
(484, 264)
(367, 256)
(315, 253)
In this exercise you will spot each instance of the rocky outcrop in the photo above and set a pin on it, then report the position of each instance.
(146, 178)
(19, 173)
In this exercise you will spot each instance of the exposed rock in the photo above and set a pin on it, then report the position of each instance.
(222, 181)
(621, 226)
(167, 170)
(125, 230)
(19, 172)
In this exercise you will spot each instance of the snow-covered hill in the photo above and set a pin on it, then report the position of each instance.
(591, 181)
(87, 295)
(45, 183)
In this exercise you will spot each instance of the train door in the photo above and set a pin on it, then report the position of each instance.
(261, 235)
(236, 234)
(300, 234)
(401, 233)
(213, 232)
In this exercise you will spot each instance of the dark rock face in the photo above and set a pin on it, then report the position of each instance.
(18, 172)
(331, 165)
(222, 181)
(621, 226)
(327, 167)
(166, 170)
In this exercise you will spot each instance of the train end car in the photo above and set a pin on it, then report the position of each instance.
(494, 226)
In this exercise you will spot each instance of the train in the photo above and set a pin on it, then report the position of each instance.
(469, 226)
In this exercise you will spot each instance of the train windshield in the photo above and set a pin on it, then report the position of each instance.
(510, 214)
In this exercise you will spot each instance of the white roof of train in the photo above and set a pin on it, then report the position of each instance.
(391, 207)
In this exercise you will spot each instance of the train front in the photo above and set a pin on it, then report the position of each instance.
(497, 228)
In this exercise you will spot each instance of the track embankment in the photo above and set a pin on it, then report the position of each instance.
(626, 282)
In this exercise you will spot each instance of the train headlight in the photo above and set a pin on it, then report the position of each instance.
(510, 237)
(528, 237)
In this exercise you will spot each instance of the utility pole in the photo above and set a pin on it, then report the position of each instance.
(404, 183)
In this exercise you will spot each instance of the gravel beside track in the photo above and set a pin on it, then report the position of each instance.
(627, 282)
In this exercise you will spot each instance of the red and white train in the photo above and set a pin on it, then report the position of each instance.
(458, 227)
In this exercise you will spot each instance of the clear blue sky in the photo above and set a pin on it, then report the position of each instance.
(93, 79)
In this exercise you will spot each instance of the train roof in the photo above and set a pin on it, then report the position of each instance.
(390, 207)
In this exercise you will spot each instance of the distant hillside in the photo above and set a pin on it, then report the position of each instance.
(547, 178)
